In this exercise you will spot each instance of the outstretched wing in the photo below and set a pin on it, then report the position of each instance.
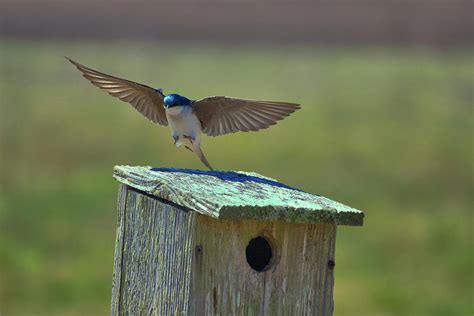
(144, 99)
(223, 115)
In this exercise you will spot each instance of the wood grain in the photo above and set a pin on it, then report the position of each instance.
(154, 265)
(117, 275)
(298, 281)
(237, 195)
(170, 260)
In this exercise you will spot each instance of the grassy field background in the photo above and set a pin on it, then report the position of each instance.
(385, 130)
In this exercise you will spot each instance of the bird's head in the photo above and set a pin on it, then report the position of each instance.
(172, 100)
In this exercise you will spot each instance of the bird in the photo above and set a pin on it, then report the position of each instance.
(189, 119)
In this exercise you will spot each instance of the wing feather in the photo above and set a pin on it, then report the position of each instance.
(250, 123)
(221, 115)
(144, 99)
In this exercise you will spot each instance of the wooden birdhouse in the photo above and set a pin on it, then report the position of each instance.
(193, 242)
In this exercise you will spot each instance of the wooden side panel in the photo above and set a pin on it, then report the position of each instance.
(116, 278)
(223, 283)
(301, 281)
(157, 247)
(298, 281)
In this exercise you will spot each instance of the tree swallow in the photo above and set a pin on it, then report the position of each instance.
(188, 119)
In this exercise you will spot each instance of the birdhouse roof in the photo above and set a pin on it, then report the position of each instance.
(236, 195)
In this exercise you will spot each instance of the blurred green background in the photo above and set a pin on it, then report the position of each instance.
(384, 128)
(386, 131)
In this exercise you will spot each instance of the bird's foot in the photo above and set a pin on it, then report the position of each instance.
(188, 148)
(190, 138)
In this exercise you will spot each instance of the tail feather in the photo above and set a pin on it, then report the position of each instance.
(200, 154)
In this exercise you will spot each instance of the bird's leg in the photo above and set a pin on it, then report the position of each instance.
(188, 148)
(175, 139)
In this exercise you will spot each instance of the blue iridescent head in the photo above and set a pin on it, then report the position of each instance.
(175, 100)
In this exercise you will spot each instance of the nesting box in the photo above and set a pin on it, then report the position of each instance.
(193, 242)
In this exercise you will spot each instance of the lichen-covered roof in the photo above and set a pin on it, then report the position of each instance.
(236, 195)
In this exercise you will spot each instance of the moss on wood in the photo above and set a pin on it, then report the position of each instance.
(236, 195)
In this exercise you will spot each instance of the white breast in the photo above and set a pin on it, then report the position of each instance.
(183, 122)
(176, 110)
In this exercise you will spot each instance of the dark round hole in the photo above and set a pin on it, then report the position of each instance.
(331, 264)
(259, 253)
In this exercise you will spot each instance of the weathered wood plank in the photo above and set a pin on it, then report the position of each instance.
(223, 282)
(298, 282)
(237, 195)
(117, 274)
(301, 282)
(155, 269)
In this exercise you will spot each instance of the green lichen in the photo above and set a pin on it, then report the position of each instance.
(219, 198)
